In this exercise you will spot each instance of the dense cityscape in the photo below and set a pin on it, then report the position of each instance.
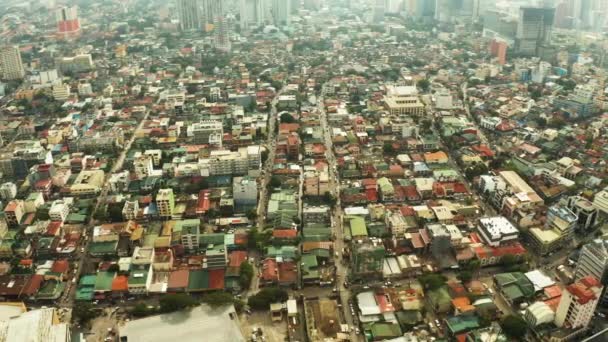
(303, 170)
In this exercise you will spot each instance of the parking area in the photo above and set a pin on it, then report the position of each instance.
(270, 331)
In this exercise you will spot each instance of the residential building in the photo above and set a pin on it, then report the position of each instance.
(245, 193)
(11, 66)
(403, 100)
(130, 210)
(207, 132)
(191, 235)
(61, 91)
(600, 201)
(557, 232)
(578, 302)
(586, 212)
(497, 230)
(143, 166)
(13, 212)
(8, 191)
(246, 161)
(68, 24)
(88, 183)
(593, 261)
(119, 182)
(60, 209)
(78, 63)
(165, 201)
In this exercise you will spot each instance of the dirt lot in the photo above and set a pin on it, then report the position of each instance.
(272, 331)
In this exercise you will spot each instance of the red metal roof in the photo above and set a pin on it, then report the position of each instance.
(120, 283)
(284, 233)
(236, 258)
(60, 266)
(216, 279)
(270, 270)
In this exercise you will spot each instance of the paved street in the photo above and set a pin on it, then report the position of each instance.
(334, 182)
(67, 300)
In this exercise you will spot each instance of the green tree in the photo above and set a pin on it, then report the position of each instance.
(388, 148)
(287, 118)
(84, 312)
(218, 298)
(268, 295)
(175, 302)
(424, 84)
(275, 182)
(141, 310)
(252, 214)
(465, 276)
(432, 281)
(264, 156)
(245, 275)
(514, 326)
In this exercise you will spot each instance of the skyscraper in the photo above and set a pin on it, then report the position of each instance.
(280, 12)
(68, 24)
(378, 12)
(533, 30)
(189, 14)
(251, 13)
(11, 67)
(593, 261)
(577, 305)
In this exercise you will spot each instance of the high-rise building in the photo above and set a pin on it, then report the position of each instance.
(189, 14)
(251, 13)
(11, 67)
(534, 29)
(165, 201)
(68, 24)
(586, 212)
(280, 12)
(593, 261)
(245, 193)
(378, 12)
(578, 303)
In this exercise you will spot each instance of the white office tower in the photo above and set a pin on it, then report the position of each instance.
(593, 261)
(393, 6)
(189, 14)
(252, 13)
(11, 67)
(578, 303)
(280, 12)
(378, 12)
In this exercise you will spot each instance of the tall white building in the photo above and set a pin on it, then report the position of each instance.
(165, 201)
(245, 193)
(11, 67)
(251, 13)
(143, 166)
(8, 191)
(280, 11)
(593, 261)
(189, 14)
(578, 303)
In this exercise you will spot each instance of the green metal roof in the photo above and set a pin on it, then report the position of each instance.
(462, 323)
(198, 280)
(103, 282)
(357, 226)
